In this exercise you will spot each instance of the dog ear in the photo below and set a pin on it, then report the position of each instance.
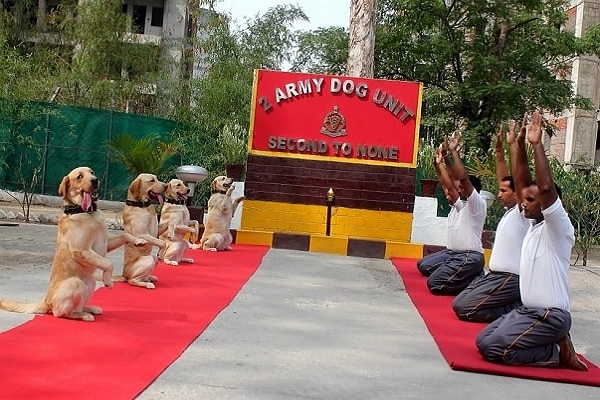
(134, 187)
(213, 184)
(63, 188)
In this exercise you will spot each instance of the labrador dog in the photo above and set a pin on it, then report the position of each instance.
(175, 223)
(140, 220)
(221, 208)
(82, 243)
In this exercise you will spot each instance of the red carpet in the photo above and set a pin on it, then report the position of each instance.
(139, 335)
(456, 339)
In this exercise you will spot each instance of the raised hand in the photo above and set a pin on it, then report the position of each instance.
(499, 139)
(511, 135)
(522, 132)
(534, 130)
(454, 141)
(444, 146)
(439, 157)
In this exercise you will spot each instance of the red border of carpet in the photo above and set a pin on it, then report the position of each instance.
(456, 338)
(139, 335)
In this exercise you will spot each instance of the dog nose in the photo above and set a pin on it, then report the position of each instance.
(94, 181)
(188, 190)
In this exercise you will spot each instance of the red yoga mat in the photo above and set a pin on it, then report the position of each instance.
(456, 338)
(139, 335)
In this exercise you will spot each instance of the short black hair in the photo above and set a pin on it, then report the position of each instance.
(510, 180)
(475, 182)
(556, 187)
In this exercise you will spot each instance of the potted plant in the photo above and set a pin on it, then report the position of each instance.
(425, 168)
(232, 147)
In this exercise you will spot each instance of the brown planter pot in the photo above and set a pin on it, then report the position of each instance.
(235, 171)
(428, 187)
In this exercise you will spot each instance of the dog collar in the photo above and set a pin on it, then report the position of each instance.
(75, 209)
(172, 201)
(141, 204)
(218, 191)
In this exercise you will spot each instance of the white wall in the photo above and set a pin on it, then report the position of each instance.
(427, 227)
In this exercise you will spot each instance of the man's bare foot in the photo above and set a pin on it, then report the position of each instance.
(567, 357)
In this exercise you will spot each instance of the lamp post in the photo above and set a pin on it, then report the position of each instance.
(329, 201)
(191, 175)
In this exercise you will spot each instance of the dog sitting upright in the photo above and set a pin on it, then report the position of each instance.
(140, 220)
(175, 224)
(82, 242)
(221, 208)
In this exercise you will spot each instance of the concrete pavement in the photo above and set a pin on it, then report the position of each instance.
(313, 326)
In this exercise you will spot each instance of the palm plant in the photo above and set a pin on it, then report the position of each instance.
(144, 155)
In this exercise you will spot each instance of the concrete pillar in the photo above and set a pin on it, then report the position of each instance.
(582, 125)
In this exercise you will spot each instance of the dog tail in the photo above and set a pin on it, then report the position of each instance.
(27, 308)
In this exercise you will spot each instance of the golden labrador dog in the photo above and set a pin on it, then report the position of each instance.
(175, 223)
(82, 243)
(139, 219)
(221, 208)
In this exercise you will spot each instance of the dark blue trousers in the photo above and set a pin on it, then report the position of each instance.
(525, 336)
(488, 297)
(449, 272)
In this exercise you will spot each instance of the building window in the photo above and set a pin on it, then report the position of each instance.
(157, 16)
(138, 19)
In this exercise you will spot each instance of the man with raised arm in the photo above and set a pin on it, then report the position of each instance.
(451, 270)
(497, 292)
(537, 333)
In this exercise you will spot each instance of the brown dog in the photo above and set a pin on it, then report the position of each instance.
(139, 219)
(217, 234)
(81, 246)
(175, 223)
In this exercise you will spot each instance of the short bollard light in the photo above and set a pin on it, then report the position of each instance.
(330, 201)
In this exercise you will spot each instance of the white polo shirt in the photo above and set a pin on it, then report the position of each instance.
(465, 223)
(545, 259)
(506, 252)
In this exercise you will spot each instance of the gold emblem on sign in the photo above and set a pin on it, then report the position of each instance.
(334, 124)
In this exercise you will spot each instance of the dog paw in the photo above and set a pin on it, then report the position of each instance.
(95, 310)
(173, 263)
(210, 249)
(107, 280)
(87, 317)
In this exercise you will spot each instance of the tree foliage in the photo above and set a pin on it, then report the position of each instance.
(480, 62)
(222, 96)
(322, 51)
(485, 61)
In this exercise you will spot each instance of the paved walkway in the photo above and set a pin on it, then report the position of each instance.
(312, 326)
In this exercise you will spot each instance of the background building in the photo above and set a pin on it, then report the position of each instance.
(577, 139)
